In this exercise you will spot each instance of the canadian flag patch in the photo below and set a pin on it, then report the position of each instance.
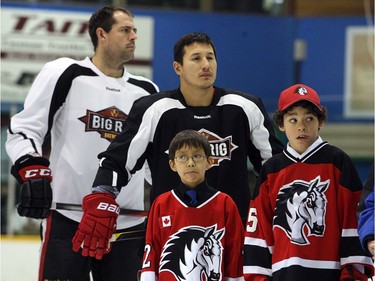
(166, 221)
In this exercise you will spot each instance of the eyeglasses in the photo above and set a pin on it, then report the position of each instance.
(185, 158)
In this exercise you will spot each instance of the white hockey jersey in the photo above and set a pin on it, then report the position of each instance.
(82, 110)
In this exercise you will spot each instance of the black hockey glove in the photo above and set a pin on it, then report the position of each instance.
(34, 176)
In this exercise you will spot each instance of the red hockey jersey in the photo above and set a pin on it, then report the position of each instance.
(302, 221)
(193, 243)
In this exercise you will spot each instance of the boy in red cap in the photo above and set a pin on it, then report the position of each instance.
(302, 221)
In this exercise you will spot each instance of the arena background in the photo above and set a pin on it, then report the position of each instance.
(262, 47)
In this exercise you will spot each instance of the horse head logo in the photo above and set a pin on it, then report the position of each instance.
(301, 206)
(194, 253)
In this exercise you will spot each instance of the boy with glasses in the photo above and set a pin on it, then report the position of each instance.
(194, 229)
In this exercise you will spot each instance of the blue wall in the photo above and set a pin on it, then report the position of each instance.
(325, 65)
(255, 53)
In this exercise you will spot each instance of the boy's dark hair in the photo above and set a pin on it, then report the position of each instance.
(189, 138)
(321, 114)
(103, 18)
(188, 39)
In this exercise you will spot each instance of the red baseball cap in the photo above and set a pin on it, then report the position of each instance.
(297, 93)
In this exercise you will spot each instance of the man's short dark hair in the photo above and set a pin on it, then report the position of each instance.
(103, 18)
(188, 39)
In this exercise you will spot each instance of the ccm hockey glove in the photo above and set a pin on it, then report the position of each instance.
(34, 176)
(100, 212)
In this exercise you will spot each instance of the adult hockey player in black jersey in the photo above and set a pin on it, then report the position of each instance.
(83, 105)
(236, 125)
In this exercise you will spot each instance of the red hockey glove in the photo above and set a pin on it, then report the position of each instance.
(34, 176)
(97, 225)
(350, 273)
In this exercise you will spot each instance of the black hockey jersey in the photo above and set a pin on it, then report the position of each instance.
(302, 221)
(236, 125)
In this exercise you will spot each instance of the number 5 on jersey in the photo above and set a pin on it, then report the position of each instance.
(252, 220)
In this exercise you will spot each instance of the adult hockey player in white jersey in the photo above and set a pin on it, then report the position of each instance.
(82, 105)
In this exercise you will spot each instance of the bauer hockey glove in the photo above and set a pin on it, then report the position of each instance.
(34, 176)
(100, 212)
